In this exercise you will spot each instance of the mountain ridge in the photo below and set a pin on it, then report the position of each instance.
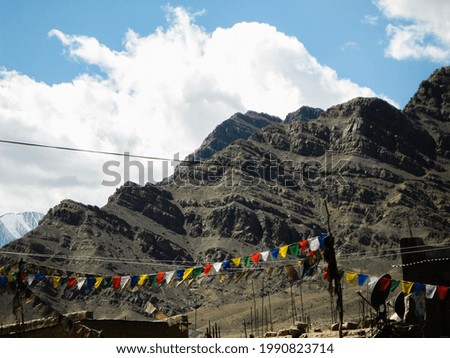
(14, 226)
(379, 169)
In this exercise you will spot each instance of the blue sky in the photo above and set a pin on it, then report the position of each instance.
(155, 77)
(335, 32)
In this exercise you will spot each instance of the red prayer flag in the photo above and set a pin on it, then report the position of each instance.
(71, 282)
(255, 257)
(385, 284)
(23, 276)
(304, 245)
(207, 268)
(325, 273)
(442, 292)
(116, 282)
(160, 277)
(311, 253)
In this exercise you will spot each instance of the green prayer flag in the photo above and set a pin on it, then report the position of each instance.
(107, 282)
(197, 271)
(293, 249)
(247, 261)
(394, 285)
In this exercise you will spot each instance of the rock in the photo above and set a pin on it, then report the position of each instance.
(295, 332)
(283, 332)
(349, 325)
(271, 334)
(304, 113)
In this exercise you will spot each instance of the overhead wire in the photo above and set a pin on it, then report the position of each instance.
(346, 258)
(93, 151)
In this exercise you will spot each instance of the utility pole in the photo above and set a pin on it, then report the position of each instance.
(333, 272)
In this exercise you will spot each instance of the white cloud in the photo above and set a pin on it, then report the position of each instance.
(419, 29)
(162, 94)
(350, 45)
(370, 20)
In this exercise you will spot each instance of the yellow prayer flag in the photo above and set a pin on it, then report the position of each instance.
(351, 278)
(407, 287)
(56, 280)
(236, 261)
(283, 251)
(98, 282)
(142, 280)
(187, 272)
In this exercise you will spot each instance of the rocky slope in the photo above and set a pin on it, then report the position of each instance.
(238, 126)
(377, 167)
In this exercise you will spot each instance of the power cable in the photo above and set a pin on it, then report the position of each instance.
(36, 145)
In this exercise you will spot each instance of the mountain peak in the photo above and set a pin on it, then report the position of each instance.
(238, 126)
(432, 99)
(14, 226)
(304, 113)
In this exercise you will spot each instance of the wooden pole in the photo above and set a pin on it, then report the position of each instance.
(409, 226)
(262, 308)
(251, 321)
(245, 329)
(292, 306)
(334, 277)
(301, 303)
(254, 308)
(270, 313)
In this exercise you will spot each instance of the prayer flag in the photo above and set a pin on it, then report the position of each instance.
(314, 244)
(293, 249)
(142, 279)
(265, 255)
(394, 285)
(116, 282)
(351, 278)
(71, 282)
(180, 274)
(283, 251)
(197, 271)
(124, 281)
(133, 281)
(226, 265)
(362, 279)
(247, 261)
(430, 290)
(418, 287)
(98, 282)
(304, 245)
(274, 253)
(255, 257)
(187, 272)
(80, 282)
(442, 292)
(406, 287)
(169, 276)
(236, 261)
(56, 281)
(160, 277)
(207, 269)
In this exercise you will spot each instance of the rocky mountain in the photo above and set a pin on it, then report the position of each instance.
(14, 226)
(304, 113)
(238, 126)
(262, 182)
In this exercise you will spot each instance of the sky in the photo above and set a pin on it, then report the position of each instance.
(153, 78)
